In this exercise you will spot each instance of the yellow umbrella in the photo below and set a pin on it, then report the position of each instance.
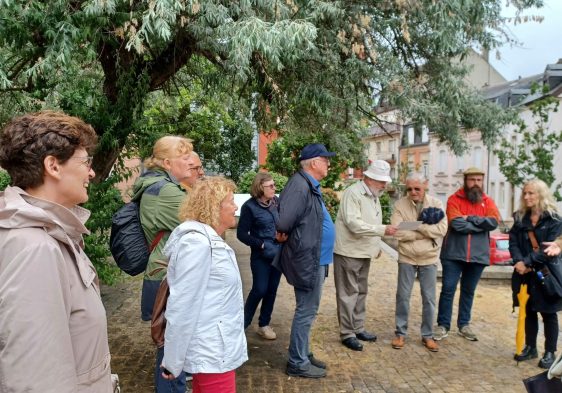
(522, 296)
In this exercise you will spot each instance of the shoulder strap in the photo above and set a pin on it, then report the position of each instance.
(533, 240)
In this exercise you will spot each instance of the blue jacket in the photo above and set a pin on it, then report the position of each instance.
(301, 217)
(256, 228)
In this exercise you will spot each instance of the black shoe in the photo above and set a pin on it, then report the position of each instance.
(527, 353)
(316, 362)
(311, 372)
(547, 360)
(353, 344)
(366, 336)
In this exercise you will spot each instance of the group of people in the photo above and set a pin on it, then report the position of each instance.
(50, 305)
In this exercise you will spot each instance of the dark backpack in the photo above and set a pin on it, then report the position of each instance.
(127, 243)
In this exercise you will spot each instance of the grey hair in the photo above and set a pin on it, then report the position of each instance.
(417, 176)
(306, 163)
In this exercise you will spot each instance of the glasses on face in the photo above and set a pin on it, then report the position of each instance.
(196, 168)
(325, 160)
(416, 189)
(271, 186)
(84, 160)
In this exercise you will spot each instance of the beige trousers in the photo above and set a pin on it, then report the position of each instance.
(351, 279)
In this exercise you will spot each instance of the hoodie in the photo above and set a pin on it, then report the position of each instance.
(53, 328)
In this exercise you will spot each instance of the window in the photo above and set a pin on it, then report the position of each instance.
(424, 134)
(391, 145)
(425, 169)
(411, 135)
(442, 161)
(460, 163)
(477, 157)
(379, 147)
(492, 191)
(501, 196)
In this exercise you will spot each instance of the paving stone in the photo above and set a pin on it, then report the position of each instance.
(460, 366)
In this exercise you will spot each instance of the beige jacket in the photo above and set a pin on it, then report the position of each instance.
(53, 329)
(422, 246)
(359, 223)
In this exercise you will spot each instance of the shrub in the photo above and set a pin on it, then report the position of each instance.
(4, 180)
(104, 200)
(331, 201)
(247, 178)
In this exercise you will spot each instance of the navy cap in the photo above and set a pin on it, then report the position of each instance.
(315, 150)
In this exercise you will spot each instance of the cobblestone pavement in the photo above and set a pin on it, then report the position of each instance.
(460, 366)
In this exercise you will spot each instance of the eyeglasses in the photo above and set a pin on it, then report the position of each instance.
(324, 159)
(196, 168)
(272, 186)
(416, 189)
(84, 160)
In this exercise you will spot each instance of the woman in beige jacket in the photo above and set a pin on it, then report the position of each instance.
(53, 333)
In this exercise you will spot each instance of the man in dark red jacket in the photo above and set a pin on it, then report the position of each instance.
(466, 251)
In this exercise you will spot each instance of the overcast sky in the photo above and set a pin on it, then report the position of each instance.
(541, 43)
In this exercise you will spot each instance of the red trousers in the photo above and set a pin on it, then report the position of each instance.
(214, 383)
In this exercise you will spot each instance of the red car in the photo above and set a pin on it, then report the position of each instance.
(499, 249)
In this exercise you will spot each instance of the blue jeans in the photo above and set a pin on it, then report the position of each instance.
(469, 275)
(161, 385)
(265, 280)
(307, 303)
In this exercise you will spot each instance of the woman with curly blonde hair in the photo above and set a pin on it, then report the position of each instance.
(535, 222)
(205, 310)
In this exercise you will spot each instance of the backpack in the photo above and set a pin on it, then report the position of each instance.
(127, 243)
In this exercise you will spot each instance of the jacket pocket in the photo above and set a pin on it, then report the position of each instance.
(99, 371)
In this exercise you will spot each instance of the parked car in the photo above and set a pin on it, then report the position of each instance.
(499, 249)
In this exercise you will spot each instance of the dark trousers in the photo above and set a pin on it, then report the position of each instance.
(469, 275)
(162, 385)
(550, 321)
(265, 280)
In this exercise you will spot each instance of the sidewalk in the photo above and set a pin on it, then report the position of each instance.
(460, 366)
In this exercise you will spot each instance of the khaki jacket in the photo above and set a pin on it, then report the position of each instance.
(359, 223)
(53, 329)
(422, 246)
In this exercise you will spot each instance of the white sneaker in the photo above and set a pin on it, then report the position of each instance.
(267, 332)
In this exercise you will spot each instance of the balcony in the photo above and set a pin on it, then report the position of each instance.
(388, 156)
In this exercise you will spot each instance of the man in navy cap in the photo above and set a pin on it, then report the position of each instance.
(307, 231)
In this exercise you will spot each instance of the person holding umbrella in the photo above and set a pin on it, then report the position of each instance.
(535, 222)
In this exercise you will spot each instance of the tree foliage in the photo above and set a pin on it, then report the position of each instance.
(305, 66)
(533, 155)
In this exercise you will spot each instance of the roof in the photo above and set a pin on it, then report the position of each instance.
(518, 92)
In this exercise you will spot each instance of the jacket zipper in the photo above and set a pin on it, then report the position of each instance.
(468, 248)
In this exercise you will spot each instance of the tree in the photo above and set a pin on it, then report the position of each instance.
(533, 155)
(307, 66)
(219, 125)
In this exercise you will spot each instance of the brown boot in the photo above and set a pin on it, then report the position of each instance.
(398, 342)
(430, 344)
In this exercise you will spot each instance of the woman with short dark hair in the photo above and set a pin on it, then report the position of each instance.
(535, 222)
(53, 324)
(256, 229)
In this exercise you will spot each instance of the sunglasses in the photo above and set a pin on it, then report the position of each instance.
(416, 189)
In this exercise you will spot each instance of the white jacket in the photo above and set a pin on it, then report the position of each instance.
(205, 310)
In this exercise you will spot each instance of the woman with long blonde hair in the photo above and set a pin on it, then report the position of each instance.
(536, 221)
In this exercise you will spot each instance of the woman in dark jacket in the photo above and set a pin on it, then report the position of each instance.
(256, 229)
(538, 215)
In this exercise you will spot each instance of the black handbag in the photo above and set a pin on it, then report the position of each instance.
(550, 275)
(552, 279)
(541, 384)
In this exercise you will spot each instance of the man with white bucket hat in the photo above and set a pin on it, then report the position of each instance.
(358, 234)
